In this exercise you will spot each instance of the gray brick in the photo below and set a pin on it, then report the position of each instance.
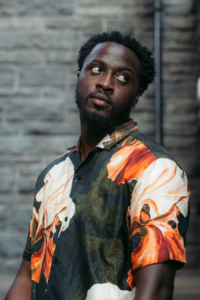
(6, 77)
(21, 216)
(177, 7)
(45, 7)
(176, 35)
(32, 170)
(179, 22)
(3, 216)
(40, 76)
(27, 184)
(37, 146)
(19, 58)
(9, 198)
(61, 58)
(184, 106)
(38, 109)
(12, 244)
(60, 92)
(170, 128)
(7, 129)
(22, 92)
(18, 40)
(52, 129)
(12, 265)
(16, 145)
(179, 141)
(75, 23)
(6, 179)
(188, 89)
(11, 160)
(22, 23)
(179, 57)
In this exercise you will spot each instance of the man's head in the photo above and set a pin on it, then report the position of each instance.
(114, 70)
(147, 68)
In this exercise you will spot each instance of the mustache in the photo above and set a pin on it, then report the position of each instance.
(102, 95)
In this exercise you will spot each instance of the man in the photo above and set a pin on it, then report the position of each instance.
(110, 215)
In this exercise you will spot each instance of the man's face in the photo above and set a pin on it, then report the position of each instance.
(107, 85)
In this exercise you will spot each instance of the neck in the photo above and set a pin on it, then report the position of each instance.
(90, 137)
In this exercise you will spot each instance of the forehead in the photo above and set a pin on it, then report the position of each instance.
(114, 53)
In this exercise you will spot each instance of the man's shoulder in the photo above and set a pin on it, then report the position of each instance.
(56, 163)
(155, 148)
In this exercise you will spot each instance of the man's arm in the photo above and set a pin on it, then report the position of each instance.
(21, 287)
(156, 281)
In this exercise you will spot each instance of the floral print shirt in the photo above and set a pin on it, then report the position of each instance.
(96, 221)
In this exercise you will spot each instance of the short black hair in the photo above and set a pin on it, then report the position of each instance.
(147, 68)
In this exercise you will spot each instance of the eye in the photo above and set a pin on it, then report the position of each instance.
(96, 69)
(122, 78)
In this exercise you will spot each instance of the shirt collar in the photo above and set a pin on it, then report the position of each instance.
(118, 134)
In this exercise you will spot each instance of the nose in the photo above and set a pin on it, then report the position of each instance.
(105, 82)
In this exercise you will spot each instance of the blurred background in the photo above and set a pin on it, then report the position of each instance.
(39, 43)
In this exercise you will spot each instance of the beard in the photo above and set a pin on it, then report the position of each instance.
(94, 119)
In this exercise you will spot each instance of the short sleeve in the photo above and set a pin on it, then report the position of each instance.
(159, 215)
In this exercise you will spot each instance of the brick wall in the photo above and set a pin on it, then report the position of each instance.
(39, 41)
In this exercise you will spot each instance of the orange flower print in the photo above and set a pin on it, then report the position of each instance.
(130, 162)
(56, 208)
(158, 199)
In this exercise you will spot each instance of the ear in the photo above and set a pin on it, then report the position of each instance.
(138, 94)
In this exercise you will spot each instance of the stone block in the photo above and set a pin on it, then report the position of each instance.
(20, 92)
(184, 105)
(20, 217)
(179, 142)
(16, 145)
(3, 216)
(177, 7)
(170, 128)
(179, 22)
(12, 244)
(40, 76)
(19, 58)
(6, 179)
(6, 77)
(27, 184)
(22, 23)
(12, 265)
(99, 11)
(53, 40)
(61, 58)
(8, 159)
(32, 170)
(188, 89)
(176, 35)
(52, 129)
(45, 7)
(9, 198)
(75, 23)
(179, 57)
(38, 109)
(192, 118)
(7, 129)
(61, 93)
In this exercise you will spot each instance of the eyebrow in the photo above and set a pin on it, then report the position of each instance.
(120, 68)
